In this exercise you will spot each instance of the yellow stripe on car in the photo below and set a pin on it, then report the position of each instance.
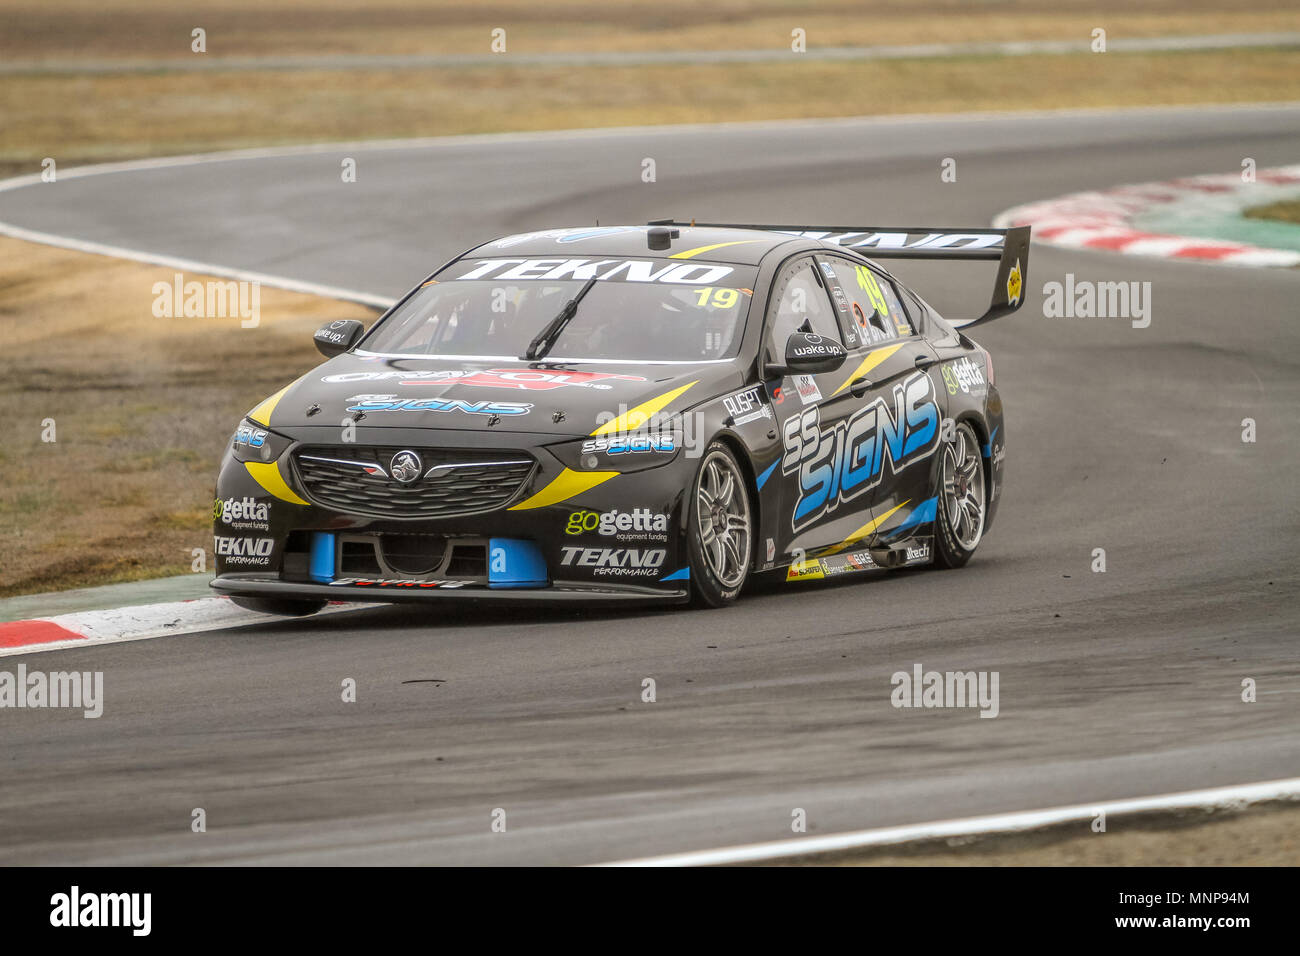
(689, 253)
(634, 418)
(868, 363)
(565, 485)
(267, 474)
(865, 530)
(570, 483)
(262, 413)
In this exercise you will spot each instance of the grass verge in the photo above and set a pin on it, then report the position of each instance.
(36, 29)
(1286, 210)
(76, 119)
(142, 408)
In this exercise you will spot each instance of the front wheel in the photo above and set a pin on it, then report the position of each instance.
(720, 529)
(959, 524)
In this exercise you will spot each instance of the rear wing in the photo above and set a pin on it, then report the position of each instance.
(1009, 247)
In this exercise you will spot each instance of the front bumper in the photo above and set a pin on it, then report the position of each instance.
(273, 538)
(624, 595)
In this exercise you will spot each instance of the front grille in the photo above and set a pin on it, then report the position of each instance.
(355, 479)
(419, 557)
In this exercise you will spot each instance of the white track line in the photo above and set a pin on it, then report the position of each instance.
(146, 621)
(601, 132)
(429, 142)
(1237, 796)
(204, 268)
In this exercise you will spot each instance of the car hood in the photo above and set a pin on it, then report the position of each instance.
(564, 399)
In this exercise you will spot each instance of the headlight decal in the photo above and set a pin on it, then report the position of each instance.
(267, 474)
(564, 486)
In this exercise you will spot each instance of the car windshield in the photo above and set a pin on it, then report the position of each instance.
(639, 310)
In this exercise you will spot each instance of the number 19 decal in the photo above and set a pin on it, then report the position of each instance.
(721, 298)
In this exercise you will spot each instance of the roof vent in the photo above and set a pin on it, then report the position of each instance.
(661, 237)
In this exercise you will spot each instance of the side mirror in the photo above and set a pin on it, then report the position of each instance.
(337, 337)
(807, 353)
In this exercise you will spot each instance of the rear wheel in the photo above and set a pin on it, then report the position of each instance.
(720, 529)
(959, 524)
(287, 607)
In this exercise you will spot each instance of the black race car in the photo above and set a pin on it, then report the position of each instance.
(633, 413)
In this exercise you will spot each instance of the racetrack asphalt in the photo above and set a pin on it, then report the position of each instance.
(1112, 685)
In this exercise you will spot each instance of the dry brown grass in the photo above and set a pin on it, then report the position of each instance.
(142, 407)
(1286, 210)
(161, 28)
(88, 118)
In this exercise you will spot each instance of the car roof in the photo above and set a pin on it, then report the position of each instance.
(700, 244)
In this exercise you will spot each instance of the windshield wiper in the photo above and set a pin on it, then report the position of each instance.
(540, 345)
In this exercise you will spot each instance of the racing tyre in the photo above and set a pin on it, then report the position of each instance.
(721, 529)
(963, 500)
(287, 607)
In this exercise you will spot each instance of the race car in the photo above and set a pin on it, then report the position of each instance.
(645, 414)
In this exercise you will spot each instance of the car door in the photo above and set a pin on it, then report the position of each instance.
(894, 429)
(812, 414)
